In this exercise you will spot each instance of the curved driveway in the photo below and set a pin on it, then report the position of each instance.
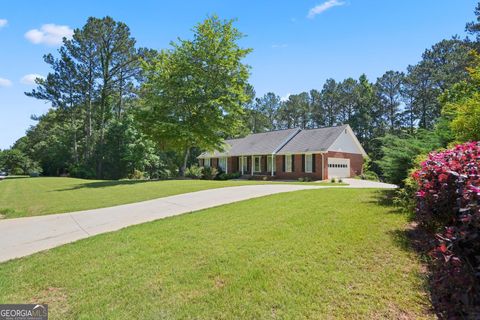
(24, 236)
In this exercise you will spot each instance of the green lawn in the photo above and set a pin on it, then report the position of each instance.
(316, 254)
(23, 197)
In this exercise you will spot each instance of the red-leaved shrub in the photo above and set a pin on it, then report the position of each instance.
(448, 205)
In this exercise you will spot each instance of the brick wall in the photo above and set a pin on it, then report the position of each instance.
(356, 164)
(232, 164)
(297, 169)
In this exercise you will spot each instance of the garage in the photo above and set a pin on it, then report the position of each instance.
(338, 168)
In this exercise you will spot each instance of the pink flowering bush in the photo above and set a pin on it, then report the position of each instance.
(448, 205)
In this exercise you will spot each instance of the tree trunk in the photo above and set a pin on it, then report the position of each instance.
(75, 143)
(184, 164)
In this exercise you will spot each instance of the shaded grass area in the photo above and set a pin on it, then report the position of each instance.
(313, 254)
(23, 197)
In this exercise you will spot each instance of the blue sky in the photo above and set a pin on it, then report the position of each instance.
(297, 44)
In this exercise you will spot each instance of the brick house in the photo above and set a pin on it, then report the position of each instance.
(320, 154)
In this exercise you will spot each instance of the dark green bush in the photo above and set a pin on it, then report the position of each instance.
(227, 176)
(82, 172)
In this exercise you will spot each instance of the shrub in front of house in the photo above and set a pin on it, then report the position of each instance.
(448, 207)
(209, 173)
(227, 176)
(304, 179)
(194, 172)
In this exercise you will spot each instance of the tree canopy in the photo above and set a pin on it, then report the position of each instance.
(194, 93)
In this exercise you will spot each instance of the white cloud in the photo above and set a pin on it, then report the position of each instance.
(5, 82)
(279, 45)
(50, 34)
(324, 7)
(29, 79)
(3, 22)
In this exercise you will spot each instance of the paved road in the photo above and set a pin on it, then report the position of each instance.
(24, 236)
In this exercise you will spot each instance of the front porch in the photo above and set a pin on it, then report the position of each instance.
(260, 167)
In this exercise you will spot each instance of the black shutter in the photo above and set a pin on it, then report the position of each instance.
(265, 163)
(238, 165)
(248, 165)
(313, 162)
(303, 163)
(293, 162)
(283, 164)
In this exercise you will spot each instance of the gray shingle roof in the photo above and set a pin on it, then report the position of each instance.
(254, 144)
(312, 140)
(280, 141)
(229, 145)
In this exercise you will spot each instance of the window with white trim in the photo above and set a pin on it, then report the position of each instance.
(288, 163)
(271, 159)
(257, 164)
(206, 162)
(222, 163)
(308, 163)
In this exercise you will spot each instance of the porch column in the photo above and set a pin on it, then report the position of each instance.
(271, 165)
(253, 164)
(323, 166)
(241, 163)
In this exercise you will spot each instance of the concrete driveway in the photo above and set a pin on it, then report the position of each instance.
(24, 236)
(357, 183)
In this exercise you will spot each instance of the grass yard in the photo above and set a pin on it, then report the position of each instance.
(24, 197)
(316, 254)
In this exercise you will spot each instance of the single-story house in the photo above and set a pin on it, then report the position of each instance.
(323, 153)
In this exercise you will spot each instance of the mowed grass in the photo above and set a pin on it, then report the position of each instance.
(315, 254)
(23, 197)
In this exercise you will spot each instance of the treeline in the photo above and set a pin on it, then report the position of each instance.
(397, 103)
(122, 111)
(93, 86)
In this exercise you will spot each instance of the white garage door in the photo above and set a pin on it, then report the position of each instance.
(338, 168)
